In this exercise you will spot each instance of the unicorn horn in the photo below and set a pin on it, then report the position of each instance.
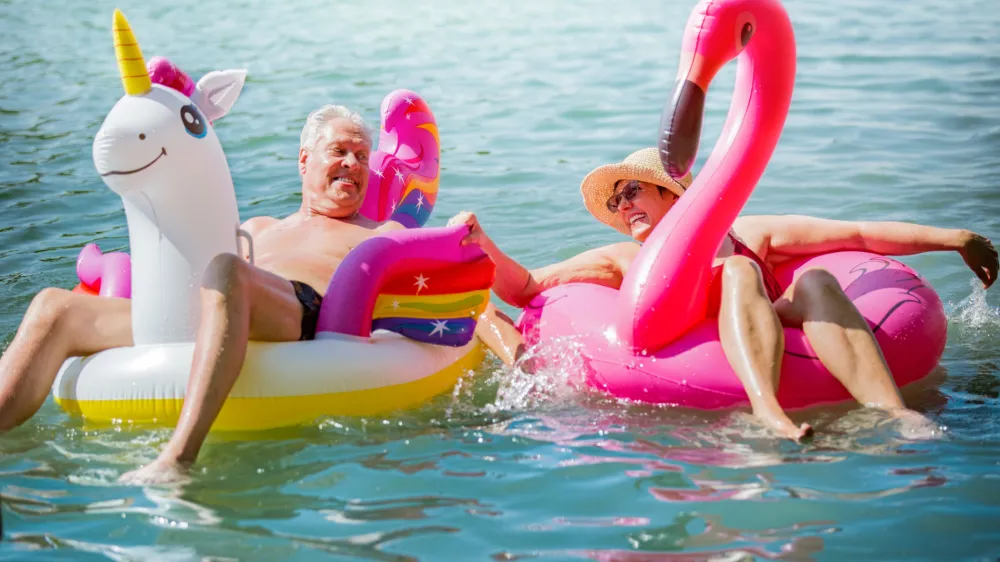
(130, 64)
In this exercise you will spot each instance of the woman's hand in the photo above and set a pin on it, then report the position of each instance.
(980, 255)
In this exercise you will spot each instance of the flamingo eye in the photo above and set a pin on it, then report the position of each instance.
(193, 121)
(746, 33)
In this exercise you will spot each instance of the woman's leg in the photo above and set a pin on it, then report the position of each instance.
(846, 346)
(57, 325)
(753, 341)
(841, 338)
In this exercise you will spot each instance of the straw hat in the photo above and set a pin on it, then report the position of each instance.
(643, 165)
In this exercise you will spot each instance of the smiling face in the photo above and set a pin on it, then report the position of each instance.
(335, 170)
(144, 138)
(641, 206)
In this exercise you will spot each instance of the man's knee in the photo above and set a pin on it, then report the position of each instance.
(48, 307)
(818, 284)
(226, 272)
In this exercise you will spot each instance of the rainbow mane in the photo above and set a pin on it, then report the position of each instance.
(403, 183)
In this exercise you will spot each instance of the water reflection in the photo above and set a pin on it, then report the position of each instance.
(406, 509)
(26, 542)
(984, 383)
(693, 537)
(799, 549)
(370, 545)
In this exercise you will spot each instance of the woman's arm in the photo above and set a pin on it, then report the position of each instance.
(801, 235)
(516, 285)
(796, 235)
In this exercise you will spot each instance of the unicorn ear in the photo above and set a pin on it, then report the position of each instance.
(217, 91)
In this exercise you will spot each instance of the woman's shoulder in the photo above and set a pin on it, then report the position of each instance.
(628, 248)
(621, 254)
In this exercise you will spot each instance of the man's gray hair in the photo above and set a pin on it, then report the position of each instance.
(319, 119)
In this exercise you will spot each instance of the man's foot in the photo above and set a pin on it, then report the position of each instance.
(915, 426)
(160, 471)
(781, 424)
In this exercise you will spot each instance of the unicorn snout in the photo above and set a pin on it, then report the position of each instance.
(125, 151)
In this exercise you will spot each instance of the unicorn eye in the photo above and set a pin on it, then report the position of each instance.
(193, 121)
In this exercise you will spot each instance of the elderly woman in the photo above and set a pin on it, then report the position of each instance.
(634, 195)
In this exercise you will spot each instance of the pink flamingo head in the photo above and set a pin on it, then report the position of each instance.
(717, 32)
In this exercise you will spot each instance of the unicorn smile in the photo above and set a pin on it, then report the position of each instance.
(163, 152)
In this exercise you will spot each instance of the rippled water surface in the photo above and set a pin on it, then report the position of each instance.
(896, 115)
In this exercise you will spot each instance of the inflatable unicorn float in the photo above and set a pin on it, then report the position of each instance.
(384, 342)
(651, 341)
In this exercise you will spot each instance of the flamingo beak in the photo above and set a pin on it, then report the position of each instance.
(680, 126)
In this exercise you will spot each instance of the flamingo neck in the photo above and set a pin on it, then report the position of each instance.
(665, 292)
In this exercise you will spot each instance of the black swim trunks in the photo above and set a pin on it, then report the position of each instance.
(311, 302)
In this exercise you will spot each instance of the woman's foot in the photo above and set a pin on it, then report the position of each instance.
(915, 426)
(776, 419)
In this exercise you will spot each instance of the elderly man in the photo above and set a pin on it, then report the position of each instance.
(633, 196)
(277, 299)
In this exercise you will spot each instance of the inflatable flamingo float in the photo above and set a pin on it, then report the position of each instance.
(651, 341)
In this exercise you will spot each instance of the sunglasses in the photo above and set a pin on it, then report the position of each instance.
(629, 192)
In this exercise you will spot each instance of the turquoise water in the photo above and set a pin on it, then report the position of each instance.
(896, 115)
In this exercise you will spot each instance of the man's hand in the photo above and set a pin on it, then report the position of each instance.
(980, 255)
(160, 471)
(476, 235)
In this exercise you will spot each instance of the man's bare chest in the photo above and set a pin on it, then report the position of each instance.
(331, 239)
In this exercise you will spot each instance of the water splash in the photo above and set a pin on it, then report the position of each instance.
(974, 312)
(548, 372)
(974, 325)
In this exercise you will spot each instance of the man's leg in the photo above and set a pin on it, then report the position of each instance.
(58, 324)
(753, 341)
(844, 343)
(239, 302)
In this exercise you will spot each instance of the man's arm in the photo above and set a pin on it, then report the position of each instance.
(796, 235)
(516, 285)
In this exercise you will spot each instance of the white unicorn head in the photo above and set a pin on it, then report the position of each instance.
(153, 125)
(157, 150)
